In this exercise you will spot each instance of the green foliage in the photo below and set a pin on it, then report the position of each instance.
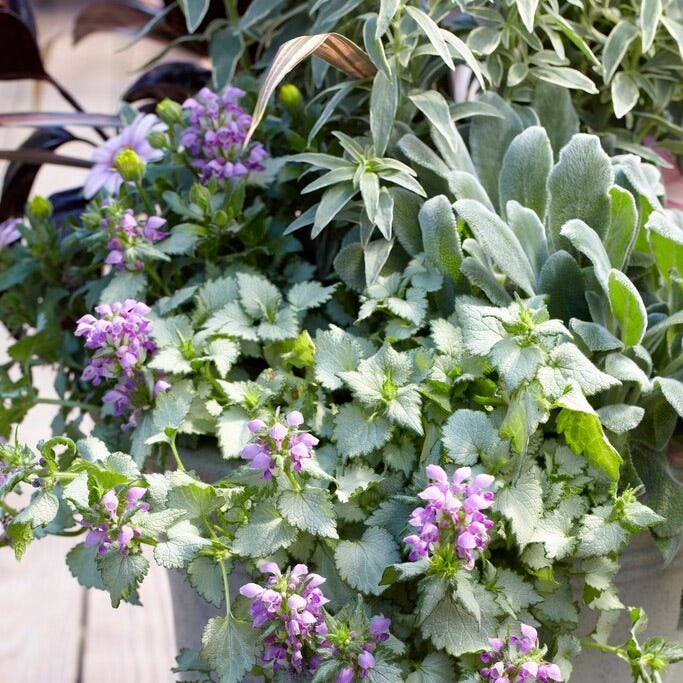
(429, 279)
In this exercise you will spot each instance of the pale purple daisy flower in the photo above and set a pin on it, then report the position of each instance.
(104, 174)
(8, 232)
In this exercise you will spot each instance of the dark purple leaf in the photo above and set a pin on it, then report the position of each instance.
(23, 9)
(67, 204)
(176, 80)
(20, 54)
(46, 119)
(20, 175)
(40, 156)
(114, 15)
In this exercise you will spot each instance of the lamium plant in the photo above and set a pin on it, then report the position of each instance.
(387, 373)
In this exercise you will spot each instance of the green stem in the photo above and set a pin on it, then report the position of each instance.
(231, 11)
(226, 588)
(7, 508)
(68, 404)
(149, 207)
(206, 371)
(64, 476)
(157, 280)
(176, 455)
(600, 646)
(292, 480)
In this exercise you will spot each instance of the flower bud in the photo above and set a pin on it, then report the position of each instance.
(290, 96)
(201, 196)
(40, 207)
(157, 139)
(169, 111)
(129, 165)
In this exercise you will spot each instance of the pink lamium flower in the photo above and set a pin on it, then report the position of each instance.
(117, 527)
(289, 608)
(279, 445)
(518, 660)
(104, 174)
(452, 515)
(128, 235)
(121, 341)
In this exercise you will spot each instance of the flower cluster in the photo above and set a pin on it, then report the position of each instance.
(279, 446)
(215, 134)
(115, 528)
(360, 663)
(105, 173)
(8, 231)
(289, 608)
(453, 515)
(121, 339)
(127, 235)
(519, 660)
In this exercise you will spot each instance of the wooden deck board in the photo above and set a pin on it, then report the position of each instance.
(132, 644)
(40, 616)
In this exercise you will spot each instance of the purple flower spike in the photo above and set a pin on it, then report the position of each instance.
(121, 341)
(214, 137)
(128, 236)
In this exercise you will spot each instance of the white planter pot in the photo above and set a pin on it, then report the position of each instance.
(643, 581)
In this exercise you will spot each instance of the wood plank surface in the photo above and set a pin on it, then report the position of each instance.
(131, 644)
(41, 608)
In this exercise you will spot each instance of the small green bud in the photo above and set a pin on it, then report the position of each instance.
(40, 207)
(170, 112)
(220, 218)
(201, 196)
(129, 165)
(290, 96)
(157, 139)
